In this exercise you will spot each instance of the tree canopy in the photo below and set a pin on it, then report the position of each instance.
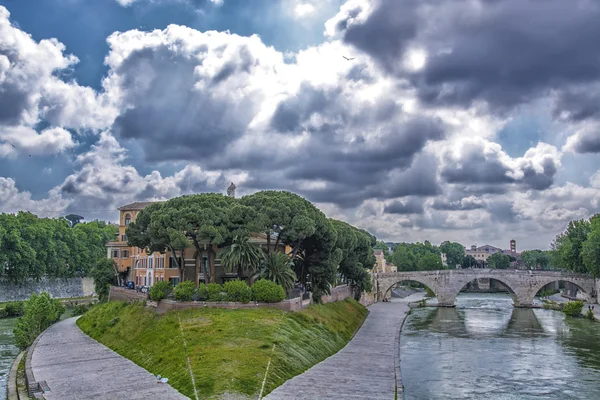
(320, 248)
(499, 261)
(455, 253)
(417, 257)
(577, 249)
(32, 247)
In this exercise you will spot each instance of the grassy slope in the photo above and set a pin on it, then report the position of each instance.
(229, 349)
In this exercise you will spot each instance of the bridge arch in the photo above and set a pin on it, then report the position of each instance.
(387, 281)
(453, 290)
(587, 289)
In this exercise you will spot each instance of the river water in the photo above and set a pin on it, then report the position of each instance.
(486, 349)
(8, 352)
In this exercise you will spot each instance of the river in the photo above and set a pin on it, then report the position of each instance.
(486, 349)
(8, 352)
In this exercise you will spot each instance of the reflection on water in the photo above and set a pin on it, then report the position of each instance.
(486, 349)
(8, 352)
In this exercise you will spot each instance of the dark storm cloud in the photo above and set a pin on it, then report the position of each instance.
(503, 52)
(484, 165)
(407, 207)
(465, 204)
(587, 141)
(170, 115)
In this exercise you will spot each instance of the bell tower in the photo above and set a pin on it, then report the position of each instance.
(231, 190)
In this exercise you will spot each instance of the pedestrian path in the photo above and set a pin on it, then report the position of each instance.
(364, 369)
(73, 366)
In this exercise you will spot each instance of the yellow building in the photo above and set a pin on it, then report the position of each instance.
(380, 264)
(482, 253)
(145, 269)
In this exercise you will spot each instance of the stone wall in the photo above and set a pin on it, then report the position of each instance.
(127, 295)
(58, 288)
(338, 293)
(286, 305)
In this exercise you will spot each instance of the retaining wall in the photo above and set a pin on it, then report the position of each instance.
(127, 295)
(286, 305)
(58, 288)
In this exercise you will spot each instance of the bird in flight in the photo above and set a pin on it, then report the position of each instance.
(349, 59)
(13, 145)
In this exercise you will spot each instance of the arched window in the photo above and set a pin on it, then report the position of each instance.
(127, 219)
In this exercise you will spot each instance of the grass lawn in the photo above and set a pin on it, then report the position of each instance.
(228, 349)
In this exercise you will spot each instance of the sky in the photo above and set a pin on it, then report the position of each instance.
(475, 121)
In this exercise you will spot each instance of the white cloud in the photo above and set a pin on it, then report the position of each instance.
(302, 10)
(24, 140)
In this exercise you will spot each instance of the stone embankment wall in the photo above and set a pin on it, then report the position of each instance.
(58, 288)
(127, 295)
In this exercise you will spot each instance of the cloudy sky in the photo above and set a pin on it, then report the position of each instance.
(476, 121)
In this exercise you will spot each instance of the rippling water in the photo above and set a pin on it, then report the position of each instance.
(8, 352)
(486, 349)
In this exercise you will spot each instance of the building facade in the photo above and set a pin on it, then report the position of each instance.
(145, 269)
(380, 264)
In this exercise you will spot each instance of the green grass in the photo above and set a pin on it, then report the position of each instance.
(229, 349)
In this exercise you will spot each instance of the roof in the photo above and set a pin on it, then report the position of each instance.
(138, 205)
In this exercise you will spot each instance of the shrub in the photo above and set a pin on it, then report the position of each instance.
(238, 291)
(590, 315)
(267, 291)
(215, 292)
(185, 290)
(81, 309)
(160, 290)
(3, 313)
(573, 308)
(41, 311)
(202, 292)
(15, 309)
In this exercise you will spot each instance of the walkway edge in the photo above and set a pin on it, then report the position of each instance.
(397, 370)
(33, 388)
(11, 383)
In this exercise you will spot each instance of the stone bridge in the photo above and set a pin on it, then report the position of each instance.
(522, 284)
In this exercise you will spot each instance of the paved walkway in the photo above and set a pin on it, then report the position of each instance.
(364, 369)
(75, 366)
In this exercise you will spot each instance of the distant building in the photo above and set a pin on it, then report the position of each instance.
(482, 253)
(380, 264)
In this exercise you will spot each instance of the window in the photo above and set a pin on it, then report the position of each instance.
(127, 219)
(123, 238)
(115, 254)
(150, 263)
(125, 253)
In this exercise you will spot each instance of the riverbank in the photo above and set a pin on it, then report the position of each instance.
(218, 353)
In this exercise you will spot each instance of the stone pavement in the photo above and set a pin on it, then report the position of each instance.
(75, 366)
(364, 369)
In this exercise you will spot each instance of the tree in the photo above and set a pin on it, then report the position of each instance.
(469, 262)
(104, 275)
(73, 219)
(568, 245)
(278, 268)
(455, 253)
(355, 252)
(41, 311)
(591, 248)
(498, 261)
(404, 259)
(206, 220)
(430, 262)
(242, 255)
